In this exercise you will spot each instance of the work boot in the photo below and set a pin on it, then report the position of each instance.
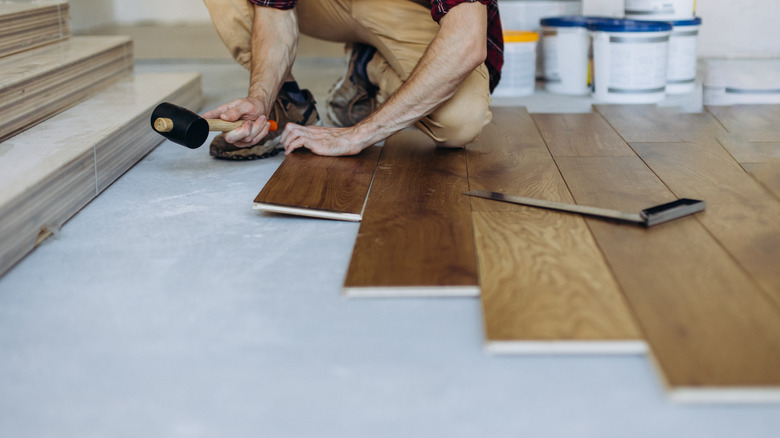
(353, 97)
(293, 105)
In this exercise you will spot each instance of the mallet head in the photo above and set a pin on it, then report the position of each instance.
(180, 125)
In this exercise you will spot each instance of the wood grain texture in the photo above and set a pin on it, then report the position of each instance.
(741, 215)
(755, 123)
(310, 185)
(24, 26)
(545, 286)
(416, 237)
(714, 334)
(50, 172)
(768, 174)
(40, 83)
(580, 135)
(649, 123)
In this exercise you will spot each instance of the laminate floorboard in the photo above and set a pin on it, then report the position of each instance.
(755, 123)
(416, 237)
(326, 187)
(650, 124)
(740, 213)
(581, 135)
(768, 174)
(545, 286)
(713, 332)
(24, 26)
(50, 172)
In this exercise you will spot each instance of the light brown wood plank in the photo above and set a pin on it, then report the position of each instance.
(768, 174)
(755, 123)
(649, 123)
(26, 25)
(580, 135)
(327, 187)
(714, 334)
(545, 286)
(416, 237)
(740, 213)
(745, 151)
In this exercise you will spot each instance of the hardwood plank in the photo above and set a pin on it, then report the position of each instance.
(740, 213)
(649, 123)
(580, 135)
(50, 172)
(714, 334)
(768, 174)
(755, 123)
(326, 187)
(745, 151)
(545, 286)
(416, 237)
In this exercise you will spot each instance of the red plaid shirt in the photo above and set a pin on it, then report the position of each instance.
(495, 38)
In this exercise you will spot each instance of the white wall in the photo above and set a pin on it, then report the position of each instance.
(161, 11)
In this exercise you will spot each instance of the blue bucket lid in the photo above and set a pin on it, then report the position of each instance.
(570, 21)
(620, 25)
(690, 22)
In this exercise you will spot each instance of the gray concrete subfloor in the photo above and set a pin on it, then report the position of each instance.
(169, 308)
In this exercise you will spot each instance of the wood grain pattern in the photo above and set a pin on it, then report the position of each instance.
(545, 285)
(24, 26)
(740, 213)
(649, 123)
(580, 135)
(39, 83)
(755, 123)
(768, 174)
(50, 172)
(330, 187)
(416, 237)
(713, 332)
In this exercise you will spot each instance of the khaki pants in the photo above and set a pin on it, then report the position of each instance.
(399, 29)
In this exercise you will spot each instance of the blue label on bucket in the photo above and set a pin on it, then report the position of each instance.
(619, 25)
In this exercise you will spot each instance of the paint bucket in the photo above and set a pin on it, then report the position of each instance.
(518, 76)
(741, 81)
(660, 9)
(683, 46)
(566, 54)
(629, 60)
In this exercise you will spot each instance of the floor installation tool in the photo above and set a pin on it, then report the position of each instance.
(648, 217)
(186, 128)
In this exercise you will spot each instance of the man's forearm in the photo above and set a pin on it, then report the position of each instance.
(457, 49)
(274, 42)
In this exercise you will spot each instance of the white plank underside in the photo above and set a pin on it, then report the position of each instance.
(627, 347)
(413, 292)
(307, 212)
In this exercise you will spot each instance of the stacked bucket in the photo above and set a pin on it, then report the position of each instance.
(636, 59)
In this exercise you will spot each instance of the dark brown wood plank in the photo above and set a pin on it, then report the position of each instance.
(545, 285)
(649, 123)
(714, 334)
(327, 187)
(416, 237)
(581, 135)
(755, 123)
(741, 215)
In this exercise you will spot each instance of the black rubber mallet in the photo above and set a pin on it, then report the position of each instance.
(186, 128)
(648, 217)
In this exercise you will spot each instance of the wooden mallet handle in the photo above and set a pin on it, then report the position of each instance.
(163, 124)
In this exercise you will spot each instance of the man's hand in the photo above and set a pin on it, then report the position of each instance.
(322, 140)
(255, 125)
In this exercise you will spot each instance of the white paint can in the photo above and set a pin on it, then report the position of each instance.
(518, 75)
(660, 9)
(566, 54)
(629, 60)
(683, 47)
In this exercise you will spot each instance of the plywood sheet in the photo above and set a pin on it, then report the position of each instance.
(26, 25)
(714, 334)
(50, 172)
(416, 237)
(545, 286)
(39, 83)
(326, 187)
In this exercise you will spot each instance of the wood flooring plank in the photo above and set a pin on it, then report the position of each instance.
(416, 237)
(768, 174)
(740, 213)
(649, 123)
(545, 286)
(580, 135)
(26, 25)
(50, 172)
(755, 123)
(326, 187)
(714, 334)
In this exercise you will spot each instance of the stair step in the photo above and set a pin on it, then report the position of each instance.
(48, 173)
(39, 83)
(24, 26)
